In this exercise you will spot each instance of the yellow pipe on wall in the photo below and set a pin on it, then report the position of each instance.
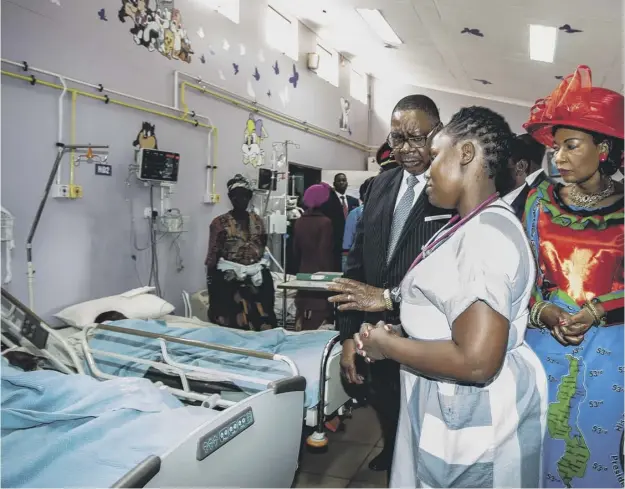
(104, 98)
(275, 117)
(72, 161)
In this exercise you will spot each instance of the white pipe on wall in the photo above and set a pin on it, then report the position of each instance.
(197, 79)
(99, 88)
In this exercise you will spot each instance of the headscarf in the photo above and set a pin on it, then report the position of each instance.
(239, 181)
(576, 103)
(316, 195)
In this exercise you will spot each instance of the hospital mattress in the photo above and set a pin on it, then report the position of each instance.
(305, 349)
(74, 431)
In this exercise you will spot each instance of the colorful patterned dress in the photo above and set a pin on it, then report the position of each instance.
(580, 256)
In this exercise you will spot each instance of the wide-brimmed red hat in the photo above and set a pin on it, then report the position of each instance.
(576, 103)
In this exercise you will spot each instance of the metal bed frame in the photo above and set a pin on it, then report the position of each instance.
(30, 331)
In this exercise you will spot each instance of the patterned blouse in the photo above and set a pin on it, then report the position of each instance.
(228, 241)
(579, 252)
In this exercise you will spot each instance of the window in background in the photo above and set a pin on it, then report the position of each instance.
(328, 65)
(227, 8)
(281, 33)
(358, 86)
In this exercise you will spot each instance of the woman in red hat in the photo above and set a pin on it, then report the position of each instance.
(576, 232)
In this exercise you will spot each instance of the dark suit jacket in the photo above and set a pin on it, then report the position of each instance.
(366, 261)
(334, 210)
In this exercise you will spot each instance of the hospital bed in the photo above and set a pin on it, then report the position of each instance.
(315, 355)
(66, 429)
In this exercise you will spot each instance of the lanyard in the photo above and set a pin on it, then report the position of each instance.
(457, 224)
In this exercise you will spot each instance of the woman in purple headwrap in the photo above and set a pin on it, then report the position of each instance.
(312, 250)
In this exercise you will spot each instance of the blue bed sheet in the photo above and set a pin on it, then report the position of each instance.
(305, 349)
(74, 431)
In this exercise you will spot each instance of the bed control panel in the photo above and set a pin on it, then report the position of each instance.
(217, 438)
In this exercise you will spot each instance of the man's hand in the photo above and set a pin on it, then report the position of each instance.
(348, 362)
(356, 296)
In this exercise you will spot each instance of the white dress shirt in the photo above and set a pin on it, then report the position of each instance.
(418, 188)
(509, 198)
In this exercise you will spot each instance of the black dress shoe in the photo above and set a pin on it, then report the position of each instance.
(381, 462)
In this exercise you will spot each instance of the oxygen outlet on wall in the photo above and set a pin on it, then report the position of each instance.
(149, 213)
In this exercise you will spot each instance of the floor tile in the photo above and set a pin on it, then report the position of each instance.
(364, 474)
(363, 484)
(305, 479)
(362, 427)
(342, 459)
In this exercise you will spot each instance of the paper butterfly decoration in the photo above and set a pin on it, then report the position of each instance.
(295, 78)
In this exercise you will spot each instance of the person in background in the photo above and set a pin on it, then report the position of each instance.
(524, 168)
(385, 158)
(240, 286)
(474, 395)
(396, 222)
(313, 248)
(576, 232)
(352, 220)
(337, 208)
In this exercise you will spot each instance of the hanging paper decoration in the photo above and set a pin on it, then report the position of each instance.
(242, 49)
(146, 139)
(200, 33)
(253, 135)
(344, 118)
(473, 32)
(102, 15)
(157, 30)
(226, 45)
(221, 75)
(203, 59)
(236, 68)
(256, 74)
(295, 77)
(250, 90)
(276, 68)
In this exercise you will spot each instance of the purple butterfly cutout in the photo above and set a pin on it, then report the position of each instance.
(295, 78)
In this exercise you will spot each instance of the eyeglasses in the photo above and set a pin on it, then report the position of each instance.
(416, 142)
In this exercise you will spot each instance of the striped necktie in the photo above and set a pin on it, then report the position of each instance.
(401, 215)
(345, 209)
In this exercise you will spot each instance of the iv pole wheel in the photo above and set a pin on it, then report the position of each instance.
(317, 442)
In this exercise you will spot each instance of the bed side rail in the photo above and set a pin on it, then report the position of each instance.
(183, 371)
(21, 327)
(143, 473)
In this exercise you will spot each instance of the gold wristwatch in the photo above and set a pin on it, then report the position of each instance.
(388, 302)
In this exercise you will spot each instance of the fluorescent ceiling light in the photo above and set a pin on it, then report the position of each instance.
(542, 43)
(379, 25)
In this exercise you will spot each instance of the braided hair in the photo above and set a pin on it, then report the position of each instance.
(491, 131)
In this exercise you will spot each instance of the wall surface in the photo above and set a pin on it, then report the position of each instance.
(385, 95)
(85, 248)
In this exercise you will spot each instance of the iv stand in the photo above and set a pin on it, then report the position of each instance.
(284, 292)
(61, 150)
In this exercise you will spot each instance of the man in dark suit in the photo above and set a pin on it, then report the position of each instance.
(337, 209)
(396, 222)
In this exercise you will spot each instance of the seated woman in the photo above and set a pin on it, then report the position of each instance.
(474, 395)
(240, 287)
(313, 252)
(576, 231)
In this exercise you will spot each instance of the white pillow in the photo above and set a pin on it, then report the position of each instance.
(134, 304)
